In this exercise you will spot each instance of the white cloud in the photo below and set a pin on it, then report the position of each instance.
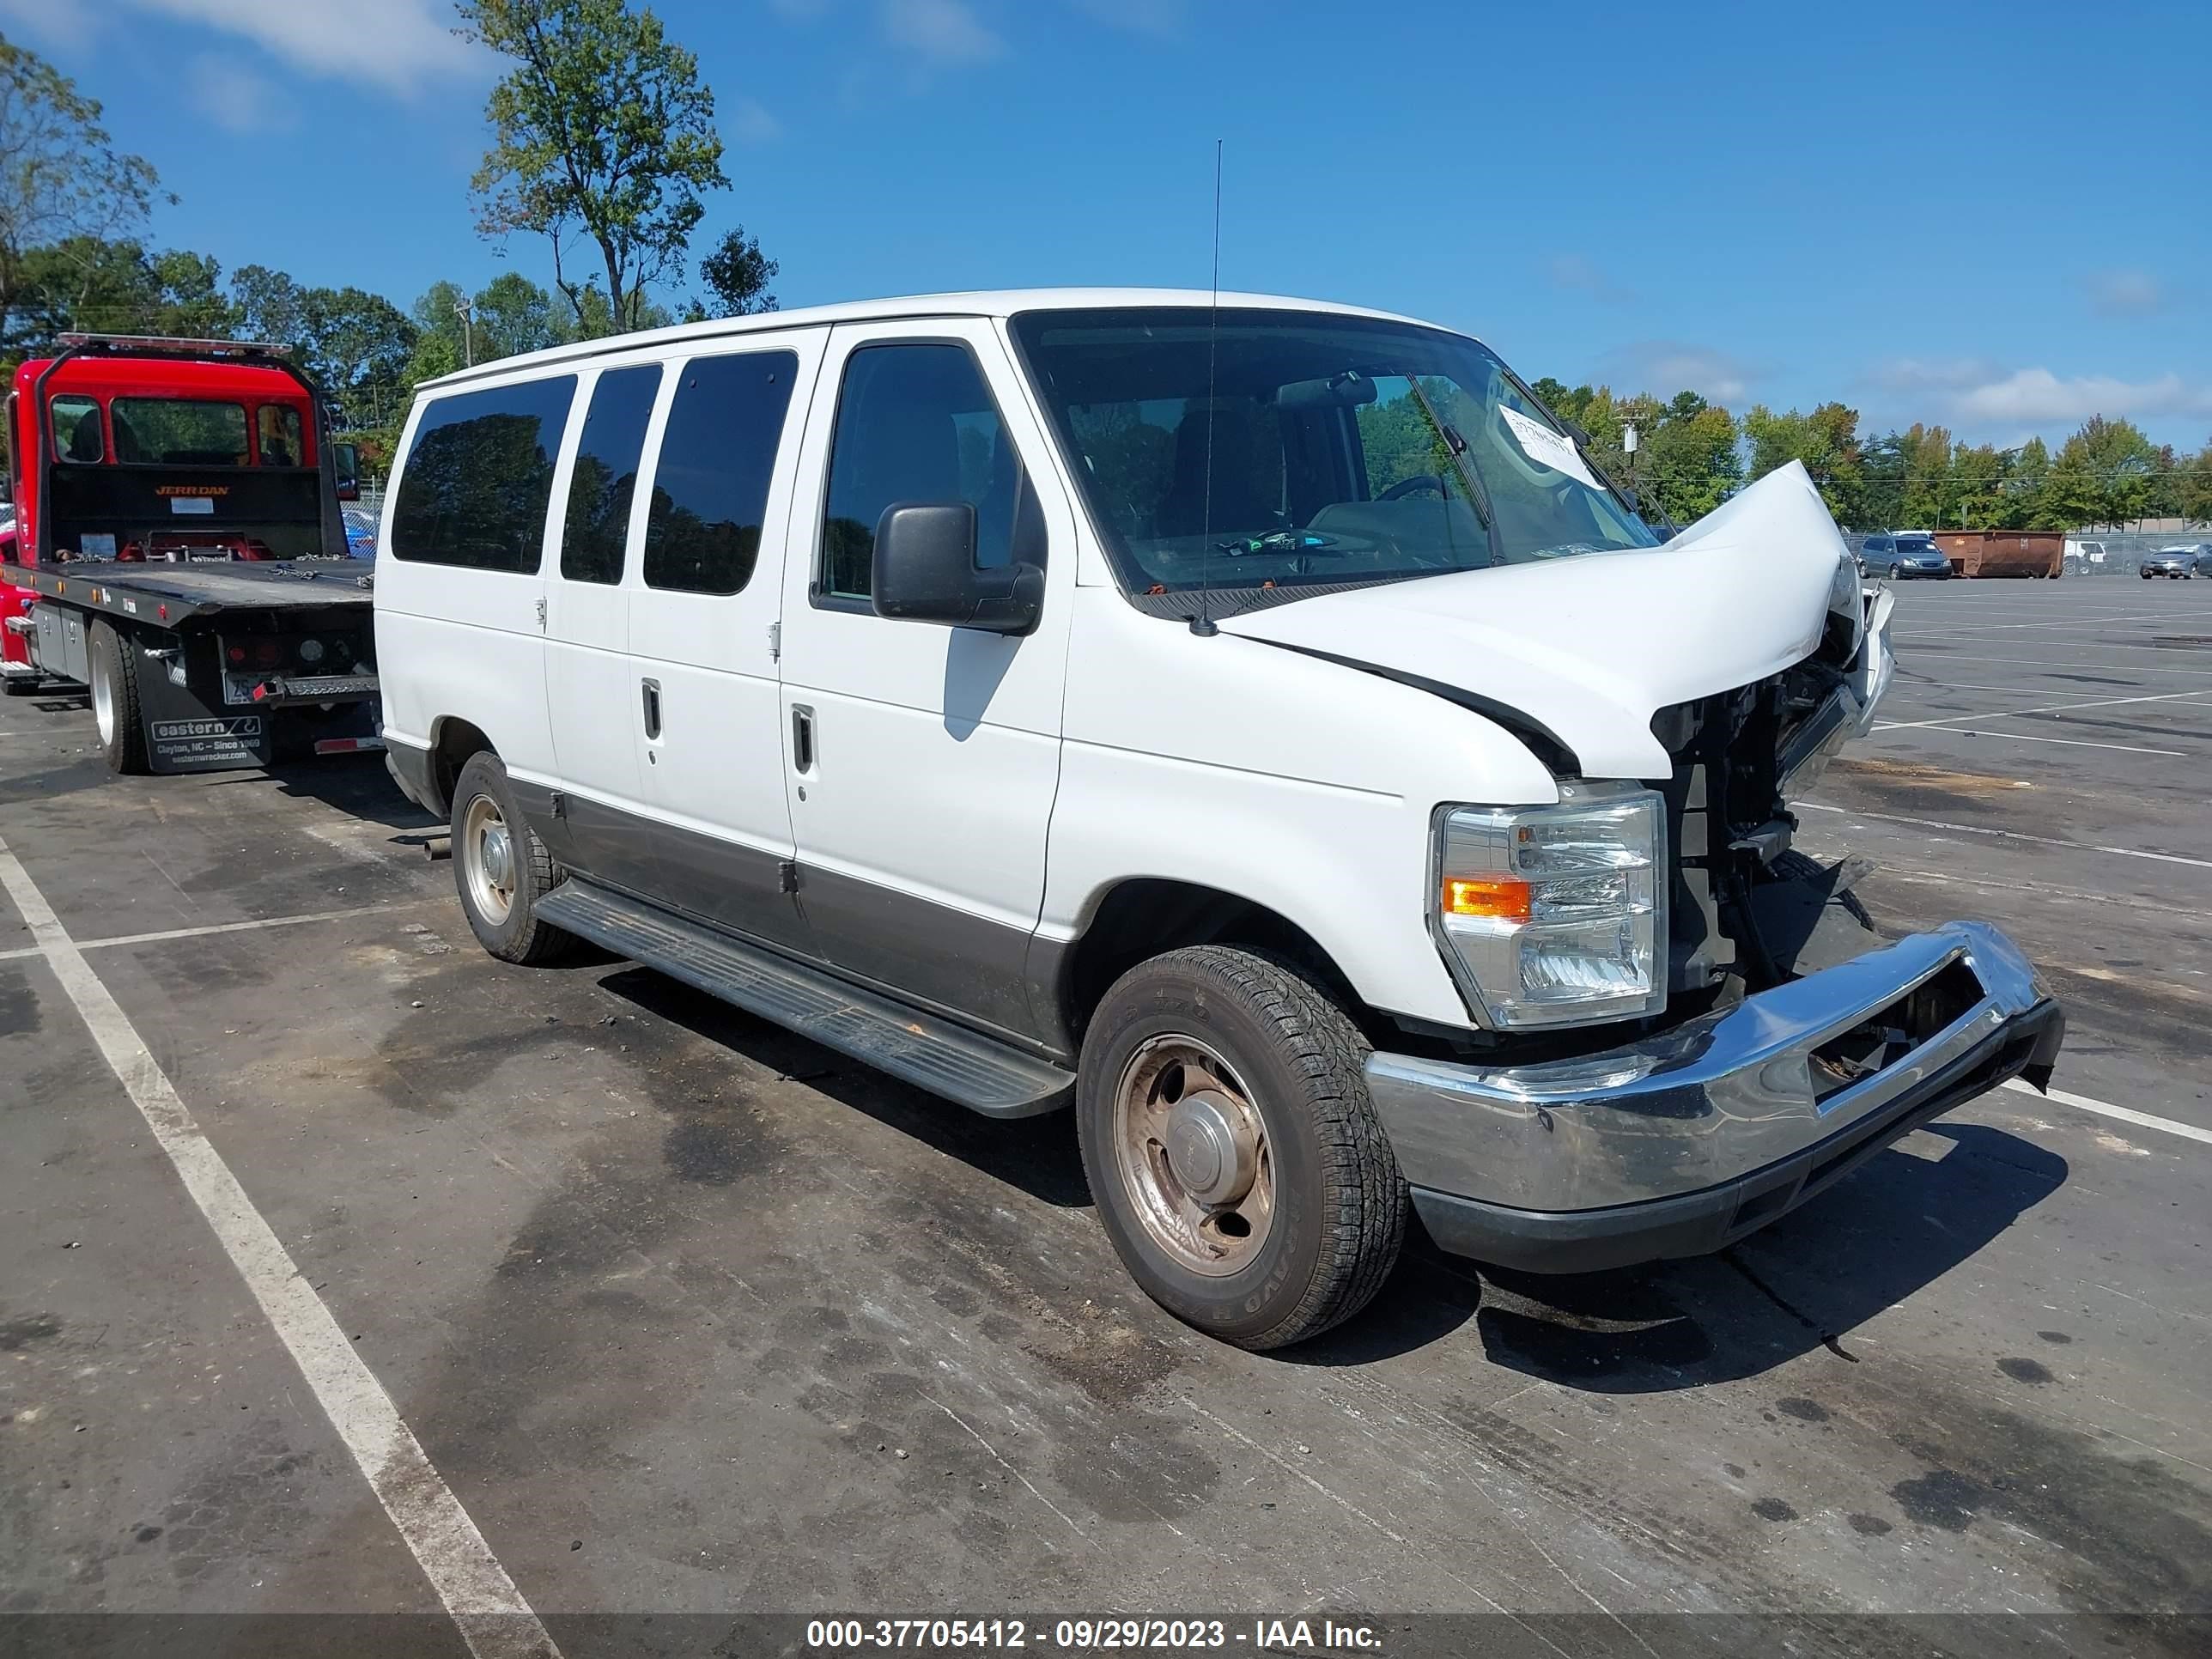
(1572, 271)
(1663, 367)
(2127, 293)
(403, 48)
(750, 122)
(236, 98)
(2037, 394)
(49, 23)
(941, 31)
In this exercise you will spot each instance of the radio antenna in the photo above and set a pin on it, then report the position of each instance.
(1202, 623)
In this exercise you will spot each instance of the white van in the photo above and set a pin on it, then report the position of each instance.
(1259, 726)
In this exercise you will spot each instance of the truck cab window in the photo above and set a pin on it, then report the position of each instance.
(605, 477)
(178, 432)
(710, 488)
(916, 423)
(280, 436)
(76, 431)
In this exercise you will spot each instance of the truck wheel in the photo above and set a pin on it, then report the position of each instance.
(501, 868)
(1236, 1160)
(115, 708)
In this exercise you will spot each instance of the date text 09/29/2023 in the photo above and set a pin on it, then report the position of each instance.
(1093, 1635)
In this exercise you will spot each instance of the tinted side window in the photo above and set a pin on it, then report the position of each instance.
(710, 486)
(599, 490)
(915, 424)
(479, 475)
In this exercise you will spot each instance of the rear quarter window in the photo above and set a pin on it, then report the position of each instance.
(478, 475)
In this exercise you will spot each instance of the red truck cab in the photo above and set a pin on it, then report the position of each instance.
(159, 456)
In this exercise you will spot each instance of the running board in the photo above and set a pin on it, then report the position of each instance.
(920, 1048)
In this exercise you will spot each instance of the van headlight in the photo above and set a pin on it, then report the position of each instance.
(1556, 915)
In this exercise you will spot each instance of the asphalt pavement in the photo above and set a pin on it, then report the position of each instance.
(691, 1320)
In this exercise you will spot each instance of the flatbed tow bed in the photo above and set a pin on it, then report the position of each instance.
(180, 553)
(221, 666)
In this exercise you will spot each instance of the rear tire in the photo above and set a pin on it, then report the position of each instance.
(115, 707)
(501, 868)
(1283, 1209)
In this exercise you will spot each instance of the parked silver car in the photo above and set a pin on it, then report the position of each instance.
(2177, 563)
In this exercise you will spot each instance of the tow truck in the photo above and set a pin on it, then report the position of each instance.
(178, 551)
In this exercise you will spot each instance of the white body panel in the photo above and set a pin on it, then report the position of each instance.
(1017, 780)
(937, 749)
(1593, 645)
(471, 645)
(717, 767)
(588, 679)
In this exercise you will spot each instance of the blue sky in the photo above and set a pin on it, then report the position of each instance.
(1991, 215)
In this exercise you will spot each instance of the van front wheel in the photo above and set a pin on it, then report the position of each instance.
(501, 868)
(1236, 1160)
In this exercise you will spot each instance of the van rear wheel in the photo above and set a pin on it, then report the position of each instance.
(501, 868)
(1236, 1160)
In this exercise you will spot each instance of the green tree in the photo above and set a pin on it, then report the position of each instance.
(512, 315)
(602, 129)
(1691, 459)
(737, 275)
(62, 180)
(1826, 440)
(2103, 474)
(2196, 485)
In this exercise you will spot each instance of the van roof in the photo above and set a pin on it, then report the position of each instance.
(1001, 302)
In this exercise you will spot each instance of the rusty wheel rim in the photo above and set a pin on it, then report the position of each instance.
(1192, 1152)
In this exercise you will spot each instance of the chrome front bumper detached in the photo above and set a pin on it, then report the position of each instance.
(1682, 1142)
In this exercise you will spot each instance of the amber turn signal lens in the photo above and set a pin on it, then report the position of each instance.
(1505, 899)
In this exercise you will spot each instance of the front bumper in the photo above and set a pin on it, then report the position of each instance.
(1680, 1143)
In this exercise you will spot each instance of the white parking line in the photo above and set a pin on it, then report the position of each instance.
(2122, 1113)
(2107, 667)
(2075, 743)
(214, 928)
(1994, 628)
(492, 1618)
(2044, 708)
(2003, 835)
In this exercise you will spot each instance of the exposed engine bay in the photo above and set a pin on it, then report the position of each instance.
(1747, 912)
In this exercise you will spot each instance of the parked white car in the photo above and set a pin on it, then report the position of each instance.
(1261, 727)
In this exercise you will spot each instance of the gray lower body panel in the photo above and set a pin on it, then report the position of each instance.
(946, 1059)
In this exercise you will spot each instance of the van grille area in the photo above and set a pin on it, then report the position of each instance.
(1738, 906)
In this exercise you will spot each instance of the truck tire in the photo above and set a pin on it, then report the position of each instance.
(1235, 1158)
(501, 868)
(115, 708)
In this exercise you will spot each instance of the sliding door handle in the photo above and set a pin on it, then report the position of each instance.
(802, 738)
(652, 689)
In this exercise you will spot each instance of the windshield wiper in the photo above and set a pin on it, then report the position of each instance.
(1455, 446)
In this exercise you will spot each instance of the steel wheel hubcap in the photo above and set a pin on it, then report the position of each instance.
(103, 701)
(488, 854)
(1192, 1152)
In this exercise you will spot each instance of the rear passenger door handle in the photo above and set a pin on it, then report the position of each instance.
(652, 708)
(802, 739)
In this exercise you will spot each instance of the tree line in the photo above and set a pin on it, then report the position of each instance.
(604, 144)
(1691, 455)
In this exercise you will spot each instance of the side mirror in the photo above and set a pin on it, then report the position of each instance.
(925, 570)
(345, 461)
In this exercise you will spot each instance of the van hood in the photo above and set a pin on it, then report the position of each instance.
(1591, 647)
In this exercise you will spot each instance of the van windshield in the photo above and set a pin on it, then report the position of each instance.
(1286, 448)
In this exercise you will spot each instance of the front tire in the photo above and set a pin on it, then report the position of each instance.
(1897, 573)
(115, 709)
(1236, 1160)
(501, 868)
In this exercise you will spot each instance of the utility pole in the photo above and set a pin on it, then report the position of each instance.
(464, 308)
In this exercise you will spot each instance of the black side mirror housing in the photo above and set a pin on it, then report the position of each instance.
(923, 570)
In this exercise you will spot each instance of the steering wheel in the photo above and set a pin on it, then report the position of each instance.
(1406, 487)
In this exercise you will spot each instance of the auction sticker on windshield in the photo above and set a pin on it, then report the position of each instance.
(1546, 447)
